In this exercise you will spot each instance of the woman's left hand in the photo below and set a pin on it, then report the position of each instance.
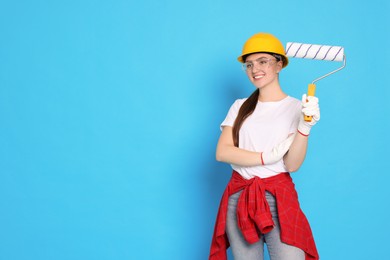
(310, 107)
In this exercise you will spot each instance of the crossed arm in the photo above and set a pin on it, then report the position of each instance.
(293, 157)
(292, 150)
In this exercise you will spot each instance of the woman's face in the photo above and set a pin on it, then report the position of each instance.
(262, 69)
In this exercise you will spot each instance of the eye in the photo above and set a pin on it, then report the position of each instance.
(248, 65)
(263, 62)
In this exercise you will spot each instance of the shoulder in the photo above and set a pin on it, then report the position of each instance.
(294, 102)
(238, 103)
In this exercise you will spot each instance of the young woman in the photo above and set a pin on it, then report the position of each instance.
(264, 137)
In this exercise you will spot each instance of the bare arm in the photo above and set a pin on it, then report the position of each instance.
(297, 153)
(227, 152)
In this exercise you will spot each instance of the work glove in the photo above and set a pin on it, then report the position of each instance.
(311, 108)
(277, 153)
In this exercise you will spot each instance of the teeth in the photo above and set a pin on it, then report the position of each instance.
(258, 77)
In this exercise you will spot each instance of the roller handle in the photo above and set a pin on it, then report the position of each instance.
(311, 91)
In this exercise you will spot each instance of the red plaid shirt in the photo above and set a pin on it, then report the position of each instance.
(253, 214)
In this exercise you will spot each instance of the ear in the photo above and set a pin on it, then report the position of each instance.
(279, 66)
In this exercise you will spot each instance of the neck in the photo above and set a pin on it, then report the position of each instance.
(271, 94)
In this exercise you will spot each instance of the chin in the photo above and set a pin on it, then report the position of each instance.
(260, 86)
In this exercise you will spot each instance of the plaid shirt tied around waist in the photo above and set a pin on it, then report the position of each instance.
(253, 214)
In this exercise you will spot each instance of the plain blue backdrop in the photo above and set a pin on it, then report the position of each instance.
(110, 113)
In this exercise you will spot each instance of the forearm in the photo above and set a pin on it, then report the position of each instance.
(229, 153)
(234, 155)
(297, 153)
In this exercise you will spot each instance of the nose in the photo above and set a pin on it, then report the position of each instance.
(255, 67)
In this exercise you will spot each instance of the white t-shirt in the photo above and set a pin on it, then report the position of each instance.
(269, 124)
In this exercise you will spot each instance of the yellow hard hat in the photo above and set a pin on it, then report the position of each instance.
(263, 42)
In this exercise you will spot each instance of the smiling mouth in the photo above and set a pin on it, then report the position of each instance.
(258, 76)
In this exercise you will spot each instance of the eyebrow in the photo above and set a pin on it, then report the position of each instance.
(264, 57)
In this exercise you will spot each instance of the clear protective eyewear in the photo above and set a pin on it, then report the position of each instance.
(261, 62)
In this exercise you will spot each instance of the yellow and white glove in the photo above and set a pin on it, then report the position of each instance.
(310, 107)
(277, 153)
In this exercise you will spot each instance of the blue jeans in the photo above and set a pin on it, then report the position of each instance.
(242, 250)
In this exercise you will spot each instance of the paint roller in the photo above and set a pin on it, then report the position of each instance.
(316, 52)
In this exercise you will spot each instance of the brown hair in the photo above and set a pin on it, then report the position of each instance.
(246, 110)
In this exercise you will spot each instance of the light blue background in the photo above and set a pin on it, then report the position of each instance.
(110, 113)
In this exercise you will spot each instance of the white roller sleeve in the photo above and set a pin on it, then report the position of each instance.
(315, 52)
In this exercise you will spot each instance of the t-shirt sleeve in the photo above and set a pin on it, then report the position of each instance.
(232, 114)
(297, 115)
